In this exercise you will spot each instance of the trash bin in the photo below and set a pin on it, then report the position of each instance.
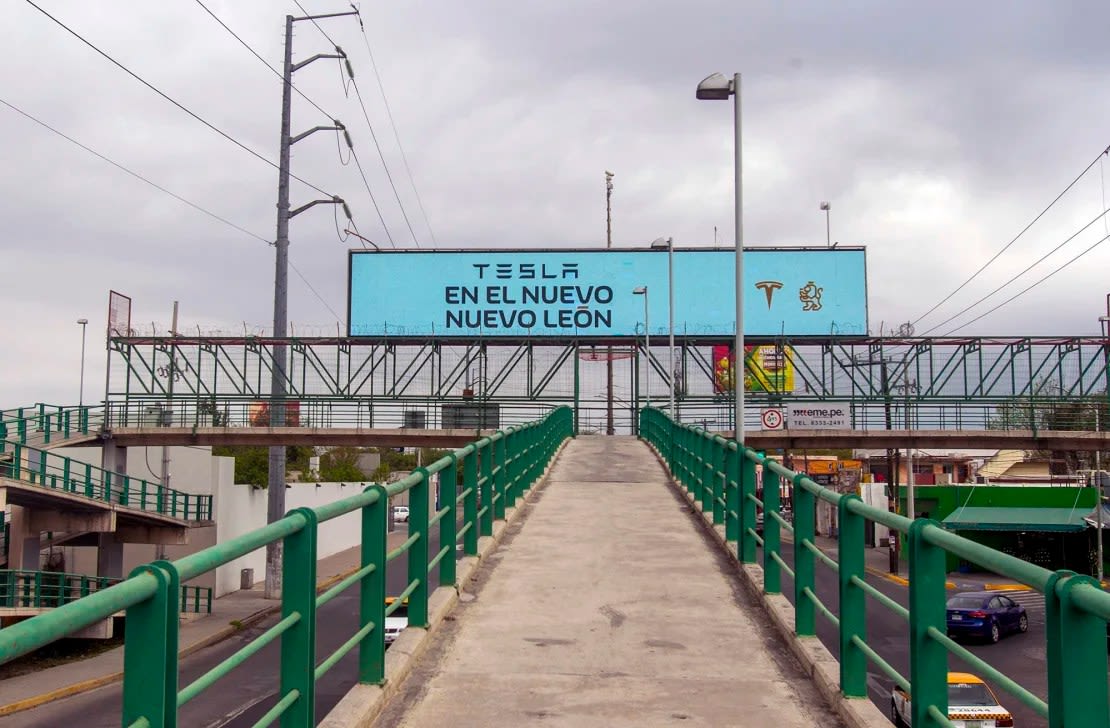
(246, 578)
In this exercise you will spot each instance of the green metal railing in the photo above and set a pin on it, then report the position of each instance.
(45, 424)
(50, 470)
(20, 588)
(477, 484)
(722, 479)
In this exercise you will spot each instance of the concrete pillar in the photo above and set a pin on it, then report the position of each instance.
(109, 556)
(25, 545)
(114, 459)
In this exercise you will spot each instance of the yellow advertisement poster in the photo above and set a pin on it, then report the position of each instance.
(769, 369)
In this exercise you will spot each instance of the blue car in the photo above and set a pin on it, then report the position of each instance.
(988, 615)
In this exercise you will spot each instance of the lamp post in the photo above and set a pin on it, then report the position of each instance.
(643, 291)
(828, 238)
(81, 392)
(660, 244)
(719, 88)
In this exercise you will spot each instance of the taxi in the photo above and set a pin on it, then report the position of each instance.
(971, 704)
(396, 622)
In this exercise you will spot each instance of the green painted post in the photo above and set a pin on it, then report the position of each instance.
(470, 502)
(1082, 692)
(449, 524)
(371, 651)
(65, 423)
(485, 490)
(772, 541)
(718, 468)
(66, 484)
(498, 450)
(732, 494)
(150, 655)
(705, 495)
(853, 600)
(1054, 651)
(747, 511)
(928, 658)
(805, 619)
(418, 552)
(38, 589)
(298, 643)
(510, 465)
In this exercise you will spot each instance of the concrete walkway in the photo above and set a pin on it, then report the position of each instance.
(608, 608)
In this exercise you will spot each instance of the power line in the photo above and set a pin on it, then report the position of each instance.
(365, 115)
(173, 101)
(396, 135)
(266, 63)
(1031, 266)
(162, 189)
(134, 174)
(377, 209)
(1016, 237)
(374, 136)
(1030, 287)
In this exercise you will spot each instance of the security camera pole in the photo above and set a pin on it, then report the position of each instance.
(275, 497)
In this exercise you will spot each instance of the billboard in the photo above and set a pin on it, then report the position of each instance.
(769, 369)
(574, 293)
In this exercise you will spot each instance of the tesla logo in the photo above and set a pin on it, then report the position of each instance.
(768, 288)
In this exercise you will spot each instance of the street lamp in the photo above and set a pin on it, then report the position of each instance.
(825, 206)
(719, 88)
(643, 291)
(668, 244)
(81, 393)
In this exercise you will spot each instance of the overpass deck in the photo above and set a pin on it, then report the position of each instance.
(607, 609)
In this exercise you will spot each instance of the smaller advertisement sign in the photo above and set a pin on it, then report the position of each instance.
(119, 314)
(767, 369)
(818, 416)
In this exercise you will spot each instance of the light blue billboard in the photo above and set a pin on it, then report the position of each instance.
(499, 293)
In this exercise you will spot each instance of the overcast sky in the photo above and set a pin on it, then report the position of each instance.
(936, 130)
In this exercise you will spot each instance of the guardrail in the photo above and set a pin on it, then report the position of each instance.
(1076, 414)
(42, 424)
(473, 413)
(51, 589)
(50, 470)
(486, 477)
(723, 480)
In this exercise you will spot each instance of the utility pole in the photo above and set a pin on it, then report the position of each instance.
(609, 429)
(275, 497)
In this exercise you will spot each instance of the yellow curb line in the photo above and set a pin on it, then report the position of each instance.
(1007, 587)
(901, 579)
(97, 682)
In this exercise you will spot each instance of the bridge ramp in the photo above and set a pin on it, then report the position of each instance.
(608, 608)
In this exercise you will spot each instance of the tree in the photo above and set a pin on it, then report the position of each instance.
(1048, 409)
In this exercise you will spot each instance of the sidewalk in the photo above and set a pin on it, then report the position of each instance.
(230, 613)
(608, 608)
(878, 563)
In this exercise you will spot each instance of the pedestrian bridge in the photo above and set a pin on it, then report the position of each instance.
(620, 582)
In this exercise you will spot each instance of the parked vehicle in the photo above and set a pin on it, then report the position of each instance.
(971, 704)
(401, 514)
(988, 615)
(396, 622)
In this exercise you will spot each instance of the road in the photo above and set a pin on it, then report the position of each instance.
(243, 696)
(1020, 656)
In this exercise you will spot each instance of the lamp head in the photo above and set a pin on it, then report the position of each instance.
(825, 206)
(715, 88)
(640, 291)
(82, 321)
(659, 244)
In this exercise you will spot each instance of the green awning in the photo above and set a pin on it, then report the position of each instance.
(980, 518)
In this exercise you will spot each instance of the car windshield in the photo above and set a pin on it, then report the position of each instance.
(969, 694)
(961, 602)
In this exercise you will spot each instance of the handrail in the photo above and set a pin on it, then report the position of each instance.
(519, 455)
(24, 588)
(722, 478)
(43, 423)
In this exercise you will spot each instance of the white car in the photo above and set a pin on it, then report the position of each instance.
(395, 623)
(971, 704)
(401, 514)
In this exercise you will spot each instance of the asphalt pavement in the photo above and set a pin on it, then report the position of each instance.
(1020, 656)
(242, 697)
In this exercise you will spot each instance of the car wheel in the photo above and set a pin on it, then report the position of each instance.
(995, 632)
(1023, 623)
(894, 717)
